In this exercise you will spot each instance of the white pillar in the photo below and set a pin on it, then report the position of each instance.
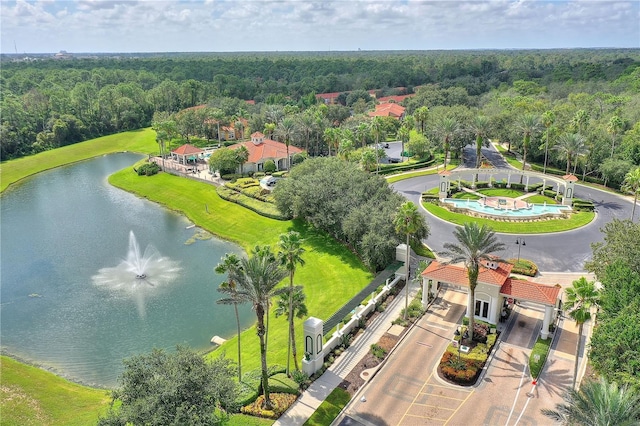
(526, 187)
(425, 292)
(544, 333)
(509, 180)
(313, 340)
(473, 181)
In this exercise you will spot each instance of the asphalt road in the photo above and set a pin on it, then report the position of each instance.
(558, 252)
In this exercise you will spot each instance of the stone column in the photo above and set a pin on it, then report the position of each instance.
(526, 186)
(570, 183)
(509, 180)
(443, 188)
(313, 354)
(546, 321)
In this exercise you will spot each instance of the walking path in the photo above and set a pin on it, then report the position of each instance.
(311, 399)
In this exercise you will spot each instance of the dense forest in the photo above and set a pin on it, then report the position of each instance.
(580, 108)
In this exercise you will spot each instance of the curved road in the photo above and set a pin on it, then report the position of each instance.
(556, 252)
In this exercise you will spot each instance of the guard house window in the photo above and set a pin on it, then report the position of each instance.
(482, 309)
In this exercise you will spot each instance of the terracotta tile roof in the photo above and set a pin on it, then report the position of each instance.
(570, 178)
(187, 149)
(397, 98)
(388, 110)
(330, 96)
(530, 291)
(268, 149)
(454, 274)
(250, 102)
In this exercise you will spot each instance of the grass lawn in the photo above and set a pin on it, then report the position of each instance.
(577, 220)
(143, 141)
(500, 192)
(331, 275)
(511, 159)
(244, 420)
(409, 175)
(32, 396)
(541, 199)
(540, 351)
(330, 408)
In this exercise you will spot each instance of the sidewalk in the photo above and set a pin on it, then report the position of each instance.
(311, 399)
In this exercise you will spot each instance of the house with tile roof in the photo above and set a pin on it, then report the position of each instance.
(495, 291)
(388, 109)
(262, 149)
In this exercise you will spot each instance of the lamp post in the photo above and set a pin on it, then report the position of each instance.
(520, 243)
(462, 336)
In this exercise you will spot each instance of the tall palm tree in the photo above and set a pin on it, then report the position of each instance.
(292, 303)
(548, 118)
(480, 128)
(306, 125)
(256, 282)
(403, 136)
(290, 255)
(285, 131)
(361, 133)
(475, 244)
(421, 115)
(230, 265)
(447, 128)
(408, 221)
(377, 131)
(528, 124)
(331, 136)
(218, 115)
(614, 127)
(580, 120)
(570, 146)
(598, 403)
(269, 128)
(631, 184)
(242, 156)
(581, 296)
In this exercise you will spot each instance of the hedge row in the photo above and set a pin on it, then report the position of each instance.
(391, 169)
(264, 209)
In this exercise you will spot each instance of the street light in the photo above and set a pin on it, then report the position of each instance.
(520, 243)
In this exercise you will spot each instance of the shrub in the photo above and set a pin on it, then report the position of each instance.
(524, 267)
(378, 351)
(147, 169)
(231, 176)
(281, 402)
(269, 166)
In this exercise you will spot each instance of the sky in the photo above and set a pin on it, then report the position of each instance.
(49, 26)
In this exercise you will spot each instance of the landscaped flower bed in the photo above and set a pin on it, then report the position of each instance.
(464, 368)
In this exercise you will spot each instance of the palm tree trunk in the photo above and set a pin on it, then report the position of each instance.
(294, 351)
(471, 311)
(235, 306)
(546, 154)
(633, 210)
(406, 283)
(263, 358)
(575, 366)
(290, 324)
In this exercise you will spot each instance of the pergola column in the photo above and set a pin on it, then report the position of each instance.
(509, 180)
(490, 180)
(546, 322)
(473, 181)
(526, 186)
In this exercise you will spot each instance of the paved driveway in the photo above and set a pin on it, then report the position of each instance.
(407, 391)
(558, 252)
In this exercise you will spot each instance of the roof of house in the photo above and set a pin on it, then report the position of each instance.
(187, 149)
(528, 290)
(266, 149)
(457, 275)
(387, 110)
(518, 289)
(397, 98)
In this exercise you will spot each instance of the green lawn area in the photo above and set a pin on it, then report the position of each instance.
(500, 192)
(555, 225)
(32, 396)
(330, 268)
(409, 175)
(330, 408)
(509, 157)
(540, 351)
(541, 199)
(143, 141)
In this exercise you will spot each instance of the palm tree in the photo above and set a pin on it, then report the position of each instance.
(291, 303)
(421, 114)
(361, 133)
(242, 156)
(230, 265)
(377, 130)
(447, 128)
(528, 124)
(548, 118)
(218, 116)
(581, 296)
(480, 128)
(614, 127)
(285, 131)
(269, 128)
(331, 135)
(256, 282)
(579, 120)
(408, 221)
(570, 146)
(475, 244)
(290, 255)
(306, 124)
(403, 136)
(598, 403)
(631, 184)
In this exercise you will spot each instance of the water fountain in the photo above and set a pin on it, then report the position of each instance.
(138, 274)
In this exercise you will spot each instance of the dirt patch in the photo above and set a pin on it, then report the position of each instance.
(353, 381)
